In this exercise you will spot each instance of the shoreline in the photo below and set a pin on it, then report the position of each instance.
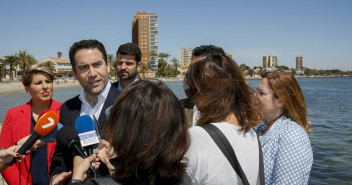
(17, 87)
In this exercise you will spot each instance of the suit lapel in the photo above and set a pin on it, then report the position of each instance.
(110, 99)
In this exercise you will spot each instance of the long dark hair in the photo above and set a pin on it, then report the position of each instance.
(148, 131)
(219, 86)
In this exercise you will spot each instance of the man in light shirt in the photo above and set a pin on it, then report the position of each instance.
(91, 68)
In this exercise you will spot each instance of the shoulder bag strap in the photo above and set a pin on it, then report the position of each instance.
(224, 145)
(261, 163)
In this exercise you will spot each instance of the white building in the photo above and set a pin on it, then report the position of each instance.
(185, 56)
(62, 66)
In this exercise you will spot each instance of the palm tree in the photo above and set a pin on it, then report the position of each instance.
(162, 55)
(166, 55)
(153, 54)
(59, 54)
(3, 70)
(13, 62)
(51, 65)
(25, 59)
(176, 65)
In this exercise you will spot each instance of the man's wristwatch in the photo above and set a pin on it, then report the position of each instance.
(76, 181)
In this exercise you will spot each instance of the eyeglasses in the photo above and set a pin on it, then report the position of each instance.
(261, 93)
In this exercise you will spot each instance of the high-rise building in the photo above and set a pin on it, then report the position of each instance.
(185, 56)
(299, 63)
(145, 35)
(269, 61)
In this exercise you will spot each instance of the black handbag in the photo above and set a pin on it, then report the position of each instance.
(225, 146)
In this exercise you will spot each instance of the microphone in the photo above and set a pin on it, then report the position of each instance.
(52, 136)
(68, 137)
(87, 134)
(45, 125)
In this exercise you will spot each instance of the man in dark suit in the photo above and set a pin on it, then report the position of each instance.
(91, 68)
(198, 53)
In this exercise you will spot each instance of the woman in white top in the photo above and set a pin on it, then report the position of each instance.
(217, 86)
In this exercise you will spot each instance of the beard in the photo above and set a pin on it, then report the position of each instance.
(130, 76)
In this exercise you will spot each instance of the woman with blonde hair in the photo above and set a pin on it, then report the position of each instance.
(20, 121)
(286, 147)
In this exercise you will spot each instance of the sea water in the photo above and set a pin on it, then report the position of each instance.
(329, 108)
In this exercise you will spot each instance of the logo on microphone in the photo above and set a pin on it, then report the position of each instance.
(88, 138)
(51, 123)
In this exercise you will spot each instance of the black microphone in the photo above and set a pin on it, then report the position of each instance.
(68, 137)
(44, 126)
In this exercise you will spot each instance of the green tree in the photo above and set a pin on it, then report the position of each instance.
(3, 70)
(244, 67)
(12, 61)
(161, 67)
(282, 68)
(51, 66)
(176, 64)
(25, 59)
(59, 54)
(293, 71)
(166, 55)
(250, 72)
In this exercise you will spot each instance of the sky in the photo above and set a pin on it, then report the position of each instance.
(318, 30)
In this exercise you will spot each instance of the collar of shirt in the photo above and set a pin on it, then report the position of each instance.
(273, 131)
(87, 109)
(119, 88)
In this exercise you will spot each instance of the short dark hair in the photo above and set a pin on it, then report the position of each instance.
(148, 131)
(219, 88)
(207, 49)
(86, 44)
(130, 49)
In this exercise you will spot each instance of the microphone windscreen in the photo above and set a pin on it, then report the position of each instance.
(52, 136)
(65, 135)
(46, 123)
(43, 112)
(84, 124)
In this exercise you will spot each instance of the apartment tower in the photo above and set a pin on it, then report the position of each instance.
(145, 35)
(185, 56)
(299, 63)
(269, 61)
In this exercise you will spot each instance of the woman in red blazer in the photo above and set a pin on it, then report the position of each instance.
(19, 123)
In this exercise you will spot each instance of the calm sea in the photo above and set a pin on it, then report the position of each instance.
(329, 103)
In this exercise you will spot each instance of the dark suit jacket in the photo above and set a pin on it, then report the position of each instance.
(69, 112)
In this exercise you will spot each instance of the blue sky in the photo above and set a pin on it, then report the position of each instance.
(318, 30)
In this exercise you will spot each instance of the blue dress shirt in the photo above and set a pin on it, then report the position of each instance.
(287, 152)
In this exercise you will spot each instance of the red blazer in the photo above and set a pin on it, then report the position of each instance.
(16, 126)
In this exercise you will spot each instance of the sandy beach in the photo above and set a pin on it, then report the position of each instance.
(17, 87)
